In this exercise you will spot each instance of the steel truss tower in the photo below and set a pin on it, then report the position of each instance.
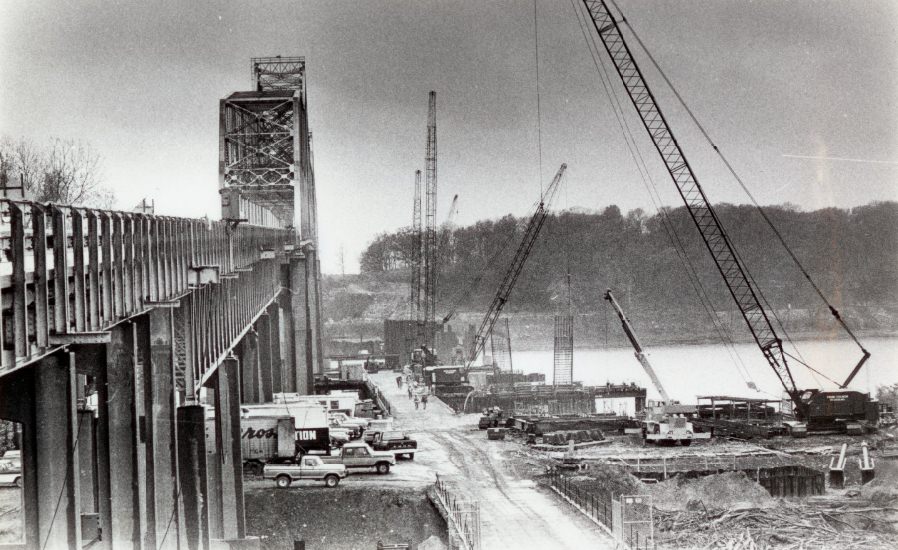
(415, 283)
(265, 156)
(430, 231)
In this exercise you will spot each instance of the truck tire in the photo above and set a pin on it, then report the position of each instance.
(383, 467)
(331, 480)
(283, 481)
(18, 482)
(253, 468)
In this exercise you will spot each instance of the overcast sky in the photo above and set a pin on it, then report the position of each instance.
(141, 82)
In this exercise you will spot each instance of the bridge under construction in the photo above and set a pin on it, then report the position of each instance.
(122, 333)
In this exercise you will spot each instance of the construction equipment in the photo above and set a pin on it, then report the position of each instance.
(811, 406)
(415, 285)
(664, 422)
(517, 264)
(430, 231)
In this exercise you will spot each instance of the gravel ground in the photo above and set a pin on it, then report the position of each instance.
(10, 515)
(515, 511)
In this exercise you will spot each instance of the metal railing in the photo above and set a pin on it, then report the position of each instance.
(463, 516)
(593, 505)
(69, 273)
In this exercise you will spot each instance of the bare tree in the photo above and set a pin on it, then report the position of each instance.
(63, 171)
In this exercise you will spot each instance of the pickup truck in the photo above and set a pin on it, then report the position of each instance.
(285, 471)
(375, 426)
(357, 454)
(354, 425)
(397, 443)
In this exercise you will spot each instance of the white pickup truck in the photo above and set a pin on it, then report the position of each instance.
(286, 471)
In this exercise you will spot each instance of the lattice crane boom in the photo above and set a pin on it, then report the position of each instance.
(415, 283)
(637, 348)
(517, 264)
(430, 230)
(711, 229)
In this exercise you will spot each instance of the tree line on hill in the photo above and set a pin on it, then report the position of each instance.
(851, 254)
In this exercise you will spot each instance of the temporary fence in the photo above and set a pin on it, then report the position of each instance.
(462, 516)
(595, 506)
(629, 519)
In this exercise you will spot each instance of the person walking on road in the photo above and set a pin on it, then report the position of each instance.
(424, 401)
(399, 382)
(409, 391)
(416, 402)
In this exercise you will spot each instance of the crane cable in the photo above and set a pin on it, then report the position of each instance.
(539, 130)
(835, 313)
(748, 273)
(651, 188)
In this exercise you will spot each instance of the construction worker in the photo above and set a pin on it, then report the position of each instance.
(416, 402)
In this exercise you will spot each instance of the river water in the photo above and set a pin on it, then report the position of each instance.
(692, 370)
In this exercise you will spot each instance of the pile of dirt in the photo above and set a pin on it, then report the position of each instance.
(883, 490)
(345, 518)
(730, 490)
(607, 481)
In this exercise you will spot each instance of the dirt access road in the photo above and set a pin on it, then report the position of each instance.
(515, 511)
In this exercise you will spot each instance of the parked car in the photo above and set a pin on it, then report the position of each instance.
(395, 442)
(11, 469)
(357, 454)
(284, 471)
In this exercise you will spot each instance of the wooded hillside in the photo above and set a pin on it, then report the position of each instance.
(852, 255)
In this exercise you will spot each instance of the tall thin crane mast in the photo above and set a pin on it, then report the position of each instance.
(415, 283)
(637, 348)
(718, 243)
(430, 230)
(517, 264)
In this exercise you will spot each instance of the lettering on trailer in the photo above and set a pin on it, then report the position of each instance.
(306, 435)
(259, 434)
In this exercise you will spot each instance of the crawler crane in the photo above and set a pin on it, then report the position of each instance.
(844, 410)
(517, 264)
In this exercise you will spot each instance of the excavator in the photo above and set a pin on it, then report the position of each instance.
(665, 422)
(815, 410)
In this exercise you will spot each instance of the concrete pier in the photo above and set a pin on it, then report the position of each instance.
(194, 532)
(160, 422)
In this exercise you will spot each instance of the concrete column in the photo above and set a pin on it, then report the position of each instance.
(314, 302)
(117, 438)
(286, 332)
(161, 447)
(266, 364)
(87, 460)
(249, 359)
(228, 451)
(277, 364)
(55, 485)
(302, 330)
(214, 491)
(191, 437)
